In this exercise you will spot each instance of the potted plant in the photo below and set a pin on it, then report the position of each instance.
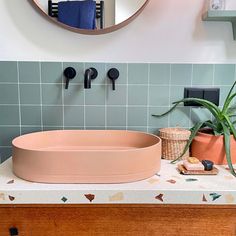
(218, 133)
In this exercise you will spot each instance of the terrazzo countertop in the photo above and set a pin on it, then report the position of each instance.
(167, 187)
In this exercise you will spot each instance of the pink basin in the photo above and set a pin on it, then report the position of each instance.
(86, 156)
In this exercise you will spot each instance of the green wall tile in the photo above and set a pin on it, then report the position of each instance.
(153, 130)
(224, 74)
(52, 115)
(51, 72)
(9, 94)
(137, 116)
(160, 74)
(96, 95)
(95, 116)
(158, 121)
(181, 74)
(31, 115)
(176, 94)
(116, 116)
(74, 116)
(116, 127)
(30, 129)
(9, 115)
(7, 134)
(199, 114)
(52, 94)
(137, 128)
(50, 128)
(74, 95)
(137, 94)
(180, 117)
(138, 73)
(223, 94)
(203, 74)
(30, 94)
(8, 71)
(117, 97)
(29, 72)
(5, 153)
(159, 95)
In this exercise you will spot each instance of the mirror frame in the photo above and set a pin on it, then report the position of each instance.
(90, 32)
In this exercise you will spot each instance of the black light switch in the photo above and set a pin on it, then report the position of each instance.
(212, 95)
(193, 93)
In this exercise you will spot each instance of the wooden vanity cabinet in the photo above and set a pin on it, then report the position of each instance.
(118, 220)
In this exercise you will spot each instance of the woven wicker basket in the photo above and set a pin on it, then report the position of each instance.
(173, 142)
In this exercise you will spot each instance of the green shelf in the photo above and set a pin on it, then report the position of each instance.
(222, 15)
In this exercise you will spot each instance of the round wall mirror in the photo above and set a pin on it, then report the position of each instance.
(89, 16)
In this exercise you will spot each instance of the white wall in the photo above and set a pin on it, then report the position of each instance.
(167, 31)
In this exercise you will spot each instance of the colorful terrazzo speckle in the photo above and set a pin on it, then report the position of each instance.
(229, 198)
(153, 181)
(215, 196)
(90, 197)
(172, 181)
(160, 197)
(11, 198)
(117, 197)
(11, 181)
(2, 196)
(191, 180)
(64, 199)
(204, 198)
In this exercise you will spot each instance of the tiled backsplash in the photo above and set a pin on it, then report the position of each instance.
(33, 98)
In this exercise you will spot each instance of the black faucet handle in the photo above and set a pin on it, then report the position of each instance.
(70, 74)
(113, 74)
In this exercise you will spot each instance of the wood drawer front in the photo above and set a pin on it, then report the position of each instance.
(118, 220)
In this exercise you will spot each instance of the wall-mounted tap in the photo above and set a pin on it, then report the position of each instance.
(69, 74)
(89, 75)
(113, 74)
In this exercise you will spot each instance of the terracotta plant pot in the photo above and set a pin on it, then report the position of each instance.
(209, 147)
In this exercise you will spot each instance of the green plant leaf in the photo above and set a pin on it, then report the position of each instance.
(231, 126)
(228, 96)
(166, 113)
(216, 112)
(227, 148)
(195, 129)
(216, 130)
(227, 103)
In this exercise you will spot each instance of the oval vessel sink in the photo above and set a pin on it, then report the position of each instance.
(86, 156)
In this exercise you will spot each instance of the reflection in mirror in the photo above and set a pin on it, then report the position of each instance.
(89, 14)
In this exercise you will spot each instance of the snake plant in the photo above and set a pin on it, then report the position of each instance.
(222, 123)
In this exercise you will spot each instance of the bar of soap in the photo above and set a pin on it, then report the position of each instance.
(190, 166)
(208, 165)
(193, 160)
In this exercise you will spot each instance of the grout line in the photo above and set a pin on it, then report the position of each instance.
(191, 83)
(41, 96)
(127, 97)
(106, 84)
(84, 102)
(106, 91)
(148, 92)
(170, 78)
(19, 103)
(62, 94)
(92, 105)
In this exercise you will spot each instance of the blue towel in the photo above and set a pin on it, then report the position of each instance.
(79, 14)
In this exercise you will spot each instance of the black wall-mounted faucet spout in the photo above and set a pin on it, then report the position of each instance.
(89, 75)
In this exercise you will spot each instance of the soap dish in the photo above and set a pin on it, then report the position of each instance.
(184, 171)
